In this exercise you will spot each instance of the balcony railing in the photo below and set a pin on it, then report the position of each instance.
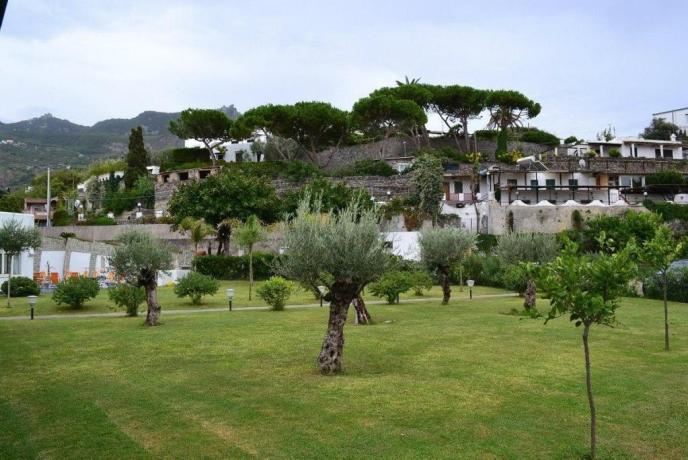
(559, 194)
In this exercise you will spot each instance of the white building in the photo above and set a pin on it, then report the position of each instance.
(630, 147)
(679, 117)
(233, 150)
(21, 265)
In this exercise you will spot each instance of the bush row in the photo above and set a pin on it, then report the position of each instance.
(235, 267)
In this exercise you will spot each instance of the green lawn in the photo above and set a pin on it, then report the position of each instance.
(168, 300)
(426, 381)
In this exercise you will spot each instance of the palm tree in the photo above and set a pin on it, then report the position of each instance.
(248, 234)
(197, 229)
(408, 81)
(66, 237)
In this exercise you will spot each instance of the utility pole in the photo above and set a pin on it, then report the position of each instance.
(47, 206)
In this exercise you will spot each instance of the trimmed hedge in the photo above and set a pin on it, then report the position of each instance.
(235, 267)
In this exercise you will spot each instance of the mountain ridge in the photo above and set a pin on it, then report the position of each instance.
(27, 147)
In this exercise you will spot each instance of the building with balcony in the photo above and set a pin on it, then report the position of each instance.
(39, 209)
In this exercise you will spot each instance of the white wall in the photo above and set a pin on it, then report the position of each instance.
(55, 259)
(79, 262)
(404, 244)
(25, 262)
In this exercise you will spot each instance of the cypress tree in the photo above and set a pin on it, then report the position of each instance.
(136, 159)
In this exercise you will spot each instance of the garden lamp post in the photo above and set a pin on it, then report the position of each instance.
(470, 284)
(230, 297)
(322, 290)
(32, 304)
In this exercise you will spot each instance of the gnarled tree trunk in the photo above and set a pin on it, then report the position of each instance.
(362, 315)
(446, 287)
(340, 296)
(529, 296)
(153, 315)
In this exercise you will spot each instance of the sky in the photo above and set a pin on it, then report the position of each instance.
(589, 63)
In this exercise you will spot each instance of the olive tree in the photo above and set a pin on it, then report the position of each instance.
(586, 289)
(15, 239)
(343, 252)
(248, 234)
(441, 249)
(658, 253)
(528, 251)
(138, 258)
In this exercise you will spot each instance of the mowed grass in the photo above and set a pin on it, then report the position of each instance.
(426, 381)
(167, 298)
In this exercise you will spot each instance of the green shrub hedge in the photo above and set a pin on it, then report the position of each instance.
(21, 287)
(235, 267)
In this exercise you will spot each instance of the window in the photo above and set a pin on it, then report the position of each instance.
(635, 151)
(550, 183)
(533, 184)
(668, 153)
(511, 183)
(573, 184)
(458, 186)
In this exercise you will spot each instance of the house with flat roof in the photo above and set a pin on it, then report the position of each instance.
(629, 147)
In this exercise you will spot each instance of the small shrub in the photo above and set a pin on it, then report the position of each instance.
(21, 287)
(196, 285)
(75, 291)
(275, 292)
(391, 284)
(614, 153)
(486, 242)
(128, 297)
(515, 278)
(421, 281)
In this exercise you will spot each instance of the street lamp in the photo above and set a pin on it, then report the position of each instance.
(32, 303)
(470, 284)
(230, 297)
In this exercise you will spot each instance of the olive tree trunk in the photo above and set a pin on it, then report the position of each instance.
(340, 296)
(666, 313)
(153, 315)
(362, 315)
(529, 297)
(446, 287)
(591, 400)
